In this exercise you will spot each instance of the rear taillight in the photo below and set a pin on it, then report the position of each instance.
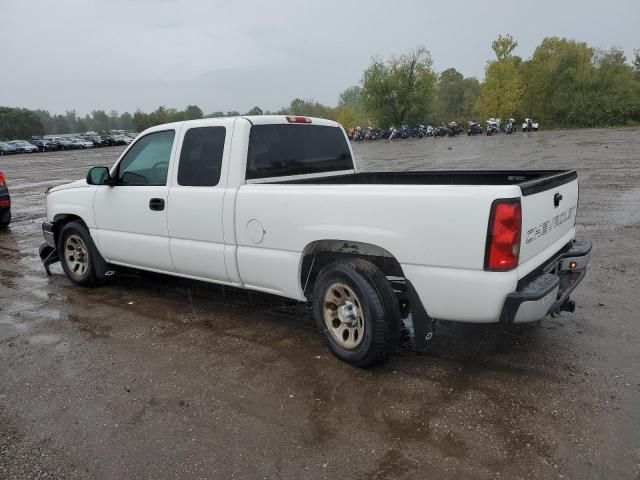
(5, 202)
(503, 237)
(291, 119)
(2, 182)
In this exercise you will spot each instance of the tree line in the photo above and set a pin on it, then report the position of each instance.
(565, 83)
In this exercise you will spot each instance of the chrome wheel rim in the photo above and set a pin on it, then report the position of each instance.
(76, 256)
(343, 315)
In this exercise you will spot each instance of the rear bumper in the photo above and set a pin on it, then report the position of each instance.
(547, 290)
(5, 205)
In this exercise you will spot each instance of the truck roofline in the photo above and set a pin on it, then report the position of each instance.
(228, 121)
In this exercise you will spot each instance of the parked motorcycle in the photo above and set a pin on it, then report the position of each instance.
(492, 127)
(441, 131)
(418, 131)
(358, 135)
(474, 128)
(510, 127)
(454, 129)
(393, 133)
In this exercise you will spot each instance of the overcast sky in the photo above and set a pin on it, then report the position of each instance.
(231, 55)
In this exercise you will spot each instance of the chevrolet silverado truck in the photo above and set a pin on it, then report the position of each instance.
(277, 204)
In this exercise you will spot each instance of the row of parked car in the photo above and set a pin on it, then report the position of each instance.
(49, 143)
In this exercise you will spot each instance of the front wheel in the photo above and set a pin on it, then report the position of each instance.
(78, 254)
(357, 312)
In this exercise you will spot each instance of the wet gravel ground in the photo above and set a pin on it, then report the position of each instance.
(155, 377)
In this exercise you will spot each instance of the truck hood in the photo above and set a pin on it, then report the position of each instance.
(66, 186)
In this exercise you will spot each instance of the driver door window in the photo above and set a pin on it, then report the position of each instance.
(147, 162)
(131, 217)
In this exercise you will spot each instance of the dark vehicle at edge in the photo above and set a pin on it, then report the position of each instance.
(5, 203)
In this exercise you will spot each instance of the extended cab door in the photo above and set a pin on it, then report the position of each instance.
(196, 200)
(131, 216)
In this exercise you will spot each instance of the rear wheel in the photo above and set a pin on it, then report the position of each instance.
(5, 220)
(357, 312)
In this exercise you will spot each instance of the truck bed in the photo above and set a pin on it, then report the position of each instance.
(530, 181)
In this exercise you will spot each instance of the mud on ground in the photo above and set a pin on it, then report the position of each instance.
(154, 377)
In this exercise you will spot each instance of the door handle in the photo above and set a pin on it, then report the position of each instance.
(156, 204)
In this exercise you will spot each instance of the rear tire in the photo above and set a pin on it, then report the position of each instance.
(5, 220)
(356, 310)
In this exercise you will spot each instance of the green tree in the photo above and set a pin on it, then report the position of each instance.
(347, 117)
(450, 95)
(193, 112)
(114, 120)
(100, 121)
(615, 91)
(141, 121)
(501, 93)
(46, 120)
(255, 111)
(401, 89)
(503, 46)
(126, 121)
(309, 108)
(72, 119)
(558, 82)
(19, 123)
(471, 89)
(61, 124)
(81, 125)
(352, 97)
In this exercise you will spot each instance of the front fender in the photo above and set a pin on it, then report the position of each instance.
(77, 202)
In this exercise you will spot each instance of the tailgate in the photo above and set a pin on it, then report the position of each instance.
(549, 206)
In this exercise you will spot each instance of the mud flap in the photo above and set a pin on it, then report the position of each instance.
(422, 324)
(101, 268)
(48, 255)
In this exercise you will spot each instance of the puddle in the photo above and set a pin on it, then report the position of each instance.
(44, 339)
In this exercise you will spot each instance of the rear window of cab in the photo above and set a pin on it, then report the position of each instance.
(281, 150)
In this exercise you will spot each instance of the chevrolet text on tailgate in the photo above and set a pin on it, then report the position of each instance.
(277, 204)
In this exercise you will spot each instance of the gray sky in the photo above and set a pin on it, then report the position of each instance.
(224, 55)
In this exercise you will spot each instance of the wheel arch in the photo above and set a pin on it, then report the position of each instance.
(319, 253)
(61, 219)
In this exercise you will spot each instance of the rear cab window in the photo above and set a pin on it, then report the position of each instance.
(278, 150)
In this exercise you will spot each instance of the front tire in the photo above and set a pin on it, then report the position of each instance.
(77, 254)
(356, 310)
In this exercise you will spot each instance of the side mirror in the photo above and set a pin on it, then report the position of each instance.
(98, 176)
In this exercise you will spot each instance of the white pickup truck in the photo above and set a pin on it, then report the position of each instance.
(277, 204)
